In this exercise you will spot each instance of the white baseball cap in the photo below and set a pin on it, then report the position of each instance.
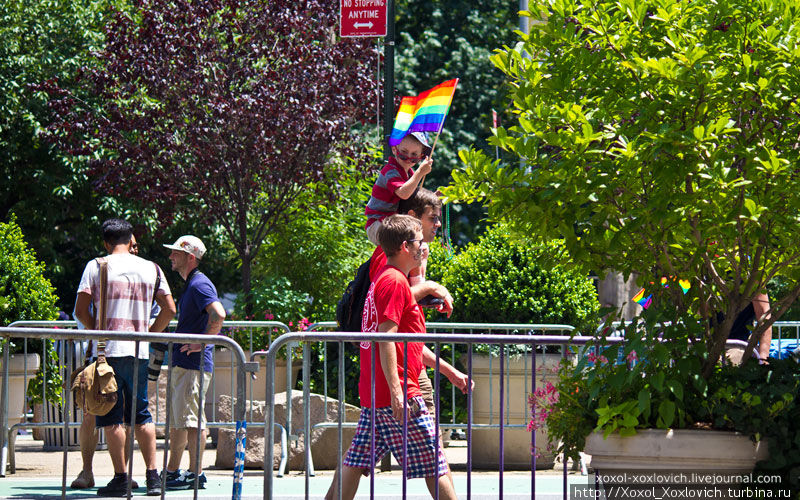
(189, 244)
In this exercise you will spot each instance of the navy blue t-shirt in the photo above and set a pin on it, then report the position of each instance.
(193, 318)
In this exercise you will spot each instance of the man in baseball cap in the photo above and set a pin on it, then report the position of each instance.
(199, 311)
(189, 244)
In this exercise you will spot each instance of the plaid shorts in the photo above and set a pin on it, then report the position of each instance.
(422, 443)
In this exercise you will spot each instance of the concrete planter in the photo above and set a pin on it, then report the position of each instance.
(486, 410)
(18, 378)
(682, 450)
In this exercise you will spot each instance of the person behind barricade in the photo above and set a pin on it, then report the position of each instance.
(200, 312)
(131, 290)
(425, 206)
(87, 434)
(391, 308)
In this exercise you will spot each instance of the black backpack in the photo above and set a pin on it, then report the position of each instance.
(351, 305)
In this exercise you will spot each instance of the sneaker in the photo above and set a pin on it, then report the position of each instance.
(153, 482)
(171, 476)
(83, 481)
(117, 487)
(186, 481)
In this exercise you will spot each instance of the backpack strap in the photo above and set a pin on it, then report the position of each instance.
(102, 309)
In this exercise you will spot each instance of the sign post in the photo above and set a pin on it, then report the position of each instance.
(362, 18)
(374, 18)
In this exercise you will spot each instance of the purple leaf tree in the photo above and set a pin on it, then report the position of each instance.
(222, 110)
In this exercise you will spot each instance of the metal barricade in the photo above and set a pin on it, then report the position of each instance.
(472, 329)
(71, 335)
(533, 341)
(458, 338)
(271, 328)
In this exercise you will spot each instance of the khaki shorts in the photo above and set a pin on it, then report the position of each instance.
(426, 387)
(185, 406)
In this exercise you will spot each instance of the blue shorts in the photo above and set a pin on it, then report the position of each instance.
(123, 373)
(424, 461)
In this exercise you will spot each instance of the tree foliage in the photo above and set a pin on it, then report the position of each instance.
(217, 110)
(25, 294)
(321, 245)
(660, 138)
(500, 279)
(50, 195)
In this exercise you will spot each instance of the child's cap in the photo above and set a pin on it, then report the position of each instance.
(422, 137)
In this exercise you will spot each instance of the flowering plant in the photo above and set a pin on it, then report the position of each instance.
(653, 380)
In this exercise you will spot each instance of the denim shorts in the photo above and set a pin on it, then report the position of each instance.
(123, 373)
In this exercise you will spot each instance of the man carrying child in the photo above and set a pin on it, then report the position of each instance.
(391, 308)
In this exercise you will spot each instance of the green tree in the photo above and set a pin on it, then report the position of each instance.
(51, 196)
(25, 294)
(217, 110)
(659, 138)
(502, 279)
(321, 244)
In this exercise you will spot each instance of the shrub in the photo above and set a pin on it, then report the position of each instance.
(502, 279)
(27, 295)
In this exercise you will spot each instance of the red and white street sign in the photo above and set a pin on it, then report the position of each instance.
(362, 18)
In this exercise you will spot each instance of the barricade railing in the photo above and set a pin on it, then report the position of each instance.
(238, 407)
(472, 329)
(532, 341)
(257, 334)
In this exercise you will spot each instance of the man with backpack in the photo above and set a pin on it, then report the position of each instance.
(425, 206)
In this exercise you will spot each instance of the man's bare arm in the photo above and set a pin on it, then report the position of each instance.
(455, 376)
(82, 313)
(216, 316)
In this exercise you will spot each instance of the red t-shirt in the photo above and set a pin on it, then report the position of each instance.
(390, 298)
(376, 263)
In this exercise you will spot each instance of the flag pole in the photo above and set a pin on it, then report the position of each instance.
(441, 125)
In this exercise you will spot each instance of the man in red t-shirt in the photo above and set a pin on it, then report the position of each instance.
(391, 308)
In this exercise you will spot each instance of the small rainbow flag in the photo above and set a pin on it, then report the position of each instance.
(643, 301)
(684, 284)
(423, 113)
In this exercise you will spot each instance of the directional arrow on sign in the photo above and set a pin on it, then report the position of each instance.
(363, 25)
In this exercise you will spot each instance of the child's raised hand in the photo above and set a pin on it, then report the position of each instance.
(426, 165)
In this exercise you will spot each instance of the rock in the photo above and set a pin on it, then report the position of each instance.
(324, 442)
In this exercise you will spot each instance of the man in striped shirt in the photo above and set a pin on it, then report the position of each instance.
(130, 293)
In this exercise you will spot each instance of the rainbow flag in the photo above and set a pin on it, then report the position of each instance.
(643, 301)
(684, 284)
(423, 113)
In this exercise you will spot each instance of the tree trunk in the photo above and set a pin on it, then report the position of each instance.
(614, 291)
(247, 264)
